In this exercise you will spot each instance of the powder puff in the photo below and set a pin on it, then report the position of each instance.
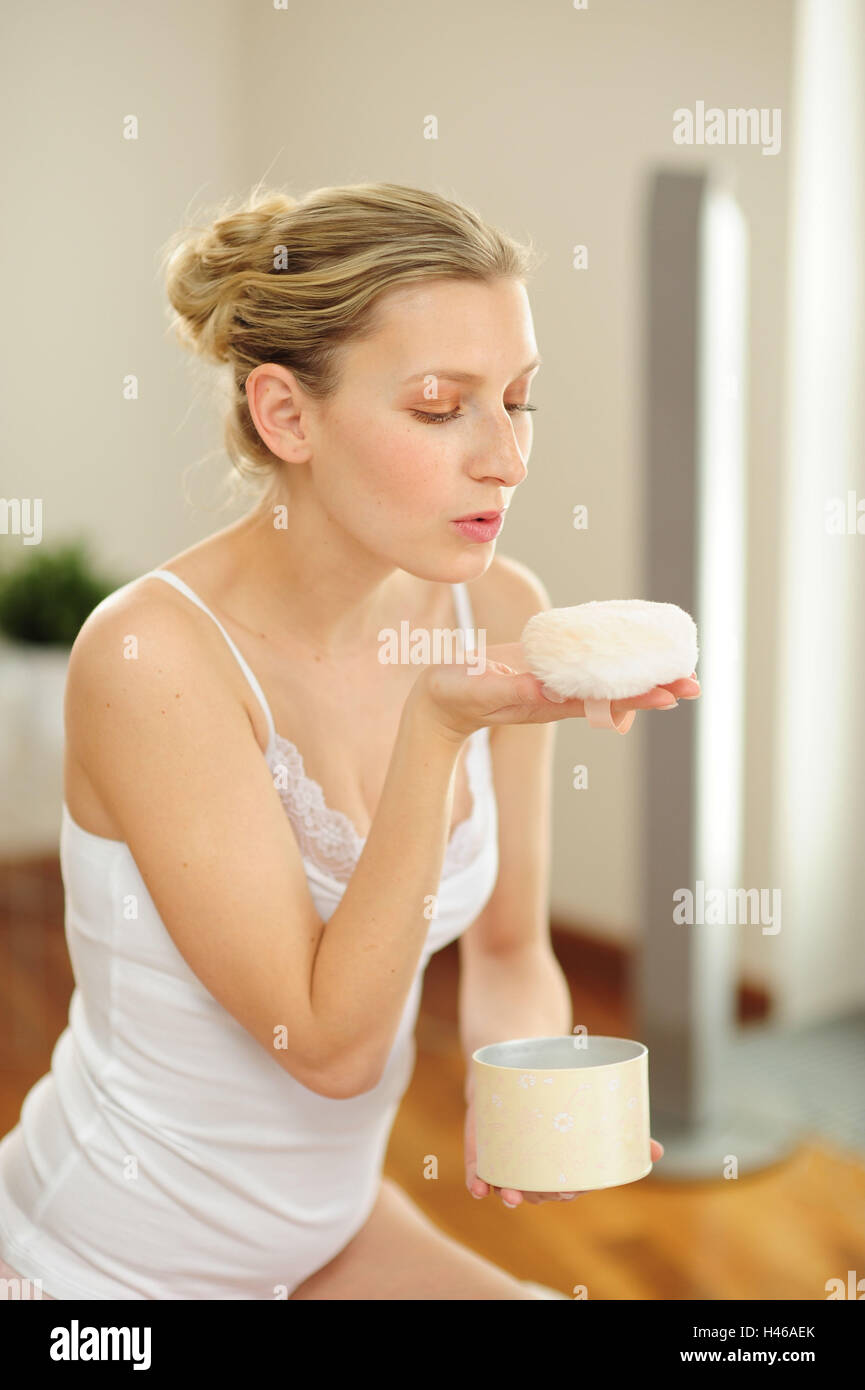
(610, 649)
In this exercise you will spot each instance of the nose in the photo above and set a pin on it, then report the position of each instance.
(504, 457)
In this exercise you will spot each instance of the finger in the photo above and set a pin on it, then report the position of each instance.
(511, 653)
(501, 668)
(476, 1186)
(532, 1199)
(685, 688)
(510, 1196)
(656, 698)
(573, 706)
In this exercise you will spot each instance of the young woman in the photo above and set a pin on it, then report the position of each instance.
(268, 828)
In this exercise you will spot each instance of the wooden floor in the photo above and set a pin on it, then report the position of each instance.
(776, 1235)
(779, 1234)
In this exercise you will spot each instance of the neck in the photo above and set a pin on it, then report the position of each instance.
(303, 581)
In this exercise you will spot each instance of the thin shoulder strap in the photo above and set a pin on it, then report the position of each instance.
(465, 618)
(184, 588)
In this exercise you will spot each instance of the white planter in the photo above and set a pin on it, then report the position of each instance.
(32, 684)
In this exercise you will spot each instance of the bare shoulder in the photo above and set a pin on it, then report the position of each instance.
(146, 628)
(141, 608)
(504, 598)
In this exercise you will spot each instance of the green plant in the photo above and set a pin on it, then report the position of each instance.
(46, 596)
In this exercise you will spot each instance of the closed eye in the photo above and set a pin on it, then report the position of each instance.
(457, 414)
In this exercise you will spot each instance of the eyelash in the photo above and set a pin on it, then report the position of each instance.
(456, 414)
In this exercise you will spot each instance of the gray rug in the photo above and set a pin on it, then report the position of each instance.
(820, 1069)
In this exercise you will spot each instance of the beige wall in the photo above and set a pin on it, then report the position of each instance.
(549, 119)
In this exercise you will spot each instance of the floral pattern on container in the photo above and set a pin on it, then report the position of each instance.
(590, 1131)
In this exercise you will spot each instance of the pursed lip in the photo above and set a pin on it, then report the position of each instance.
(482, 516)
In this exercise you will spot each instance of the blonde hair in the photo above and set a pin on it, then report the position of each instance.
(293, 281)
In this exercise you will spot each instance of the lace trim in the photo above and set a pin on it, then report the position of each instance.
(330, 839)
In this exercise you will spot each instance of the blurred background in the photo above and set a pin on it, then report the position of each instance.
(694, 176)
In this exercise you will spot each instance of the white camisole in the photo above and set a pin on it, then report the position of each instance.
(165, 1154)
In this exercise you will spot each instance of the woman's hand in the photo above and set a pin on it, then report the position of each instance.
(512, 1196)
(459, 700)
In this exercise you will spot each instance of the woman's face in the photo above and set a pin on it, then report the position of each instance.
(378, 466)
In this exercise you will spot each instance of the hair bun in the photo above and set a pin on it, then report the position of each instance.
(203, 267)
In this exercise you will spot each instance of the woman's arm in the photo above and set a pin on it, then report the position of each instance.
(511, 985)
(517, 993)
(371, 946)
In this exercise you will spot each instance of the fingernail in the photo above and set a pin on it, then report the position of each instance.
(512, 1205)
(477, 1195)
(671, 704)
(551, 695)
(568, 1196)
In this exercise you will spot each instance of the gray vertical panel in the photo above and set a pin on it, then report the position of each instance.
(668, 965)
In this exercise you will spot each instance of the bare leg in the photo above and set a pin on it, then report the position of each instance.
(401, 1254)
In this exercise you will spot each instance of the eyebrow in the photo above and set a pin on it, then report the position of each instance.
(449, 374)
